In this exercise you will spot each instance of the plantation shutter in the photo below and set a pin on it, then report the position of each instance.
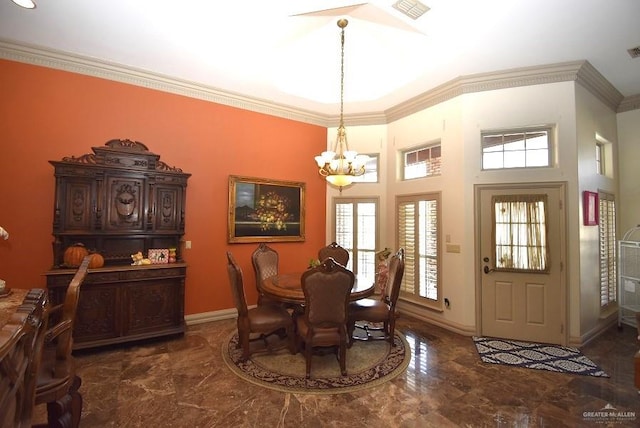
(607, 230)
(356, 230)
(344, 225)
(429, 249)
(407, 240)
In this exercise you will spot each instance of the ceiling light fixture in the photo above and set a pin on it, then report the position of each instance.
(27, 4)
(339, 166)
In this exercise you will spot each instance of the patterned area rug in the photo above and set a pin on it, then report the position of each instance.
(368, 364)
(539, 356)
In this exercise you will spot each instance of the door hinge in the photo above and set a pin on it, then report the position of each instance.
(560, 204)
(561, 328)
(561, 266)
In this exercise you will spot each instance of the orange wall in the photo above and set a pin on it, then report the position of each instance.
(47, 114)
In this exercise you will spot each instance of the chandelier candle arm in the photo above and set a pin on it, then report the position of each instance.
(340, 165)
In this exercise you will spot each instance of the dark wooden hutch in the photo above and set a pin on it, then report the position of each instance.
(117, 201)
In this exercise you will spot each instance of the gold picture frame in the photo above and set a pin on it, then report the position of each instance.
(264, 210)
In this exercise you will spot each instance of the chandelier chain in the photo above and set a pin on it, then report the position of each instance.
(342, 77)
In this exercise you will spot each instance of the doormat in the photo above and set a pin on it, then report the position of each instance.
(540, 356)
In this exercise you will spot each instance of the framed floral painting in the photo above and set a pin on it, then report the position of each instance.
(263, 210)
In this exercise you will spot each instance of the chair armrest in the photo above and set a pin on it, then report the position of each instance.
(57, 330)
(56, 308)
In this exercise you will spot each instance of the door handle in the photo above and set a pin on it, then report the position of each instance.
(486, 268)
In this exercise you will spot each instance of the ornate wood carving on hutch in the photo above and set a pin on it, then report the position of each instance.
(117, 201)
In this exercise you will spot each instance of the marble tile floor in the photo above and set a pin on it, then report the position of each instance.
(183, 382)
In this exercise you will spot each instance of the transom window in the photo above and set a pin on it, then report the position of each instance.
(516, 149)
(356, 230)
(422, 162)
(520, 235)
(370, 170)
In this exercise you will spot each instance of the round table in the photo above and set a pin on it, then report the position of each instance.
(9, 303)
(287, 288)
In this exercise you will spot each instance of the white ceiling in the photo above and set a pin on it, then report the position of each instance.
(288, 51)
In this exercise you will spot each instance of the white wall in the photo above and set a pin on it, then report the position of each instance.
(629, 168)
(457, 124)
(593, 118)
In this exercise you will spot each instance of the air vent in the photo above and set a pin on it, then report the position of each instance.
(413, 9)
(634, 52)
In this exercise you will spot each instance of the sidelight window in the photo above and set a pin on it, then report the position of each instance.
(419, 234)
(607, 230)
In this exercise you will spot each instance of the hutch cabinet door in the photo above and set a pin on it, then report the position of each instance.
(98, 315)
(126, 202)
(168, 205)
(153, 306)
(77, 205)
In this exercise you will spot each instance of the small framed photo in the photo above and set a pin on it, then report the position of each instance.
(590, 208)
(159, 256)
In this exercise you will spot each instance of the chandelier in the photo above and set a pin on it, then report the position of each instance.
(340, 165)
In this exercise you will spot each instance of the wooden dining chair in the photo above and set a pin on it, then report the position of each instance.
(335, 251)
(20, 351)
(263, 320)
(265, 262)
(383, 309)
(57, 383)
(324, 323)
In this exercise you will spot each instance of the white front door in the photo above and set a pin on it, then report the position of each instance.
(522, 287)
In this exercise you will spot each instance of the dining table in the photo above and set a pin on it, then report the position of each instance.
(9, 303)
(287, 287)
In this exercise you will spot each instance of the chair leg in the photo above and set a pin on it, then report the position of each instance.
(307, 357)
(244, 342)
(392, 331)
(291, 337)
(66, 412)
(389, 328)
(351, 327)
(343, 358)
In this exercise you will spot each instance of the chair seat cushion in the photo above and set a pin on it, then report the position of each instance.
(322, 336)
(265, 318)
(369, 309)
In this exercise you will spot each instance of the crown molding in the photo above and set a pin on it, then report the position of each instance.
(581, 72)
(106, 70)
(594, 82)
(629, 103)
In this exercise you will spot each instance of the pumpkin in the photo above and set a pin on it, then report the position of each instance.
(97, 261)
(74, 254)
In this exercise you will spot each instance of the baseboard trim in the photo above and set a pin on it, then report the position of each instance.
(417, 313)
(205, 317)
(423, 314)
(598, 330)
